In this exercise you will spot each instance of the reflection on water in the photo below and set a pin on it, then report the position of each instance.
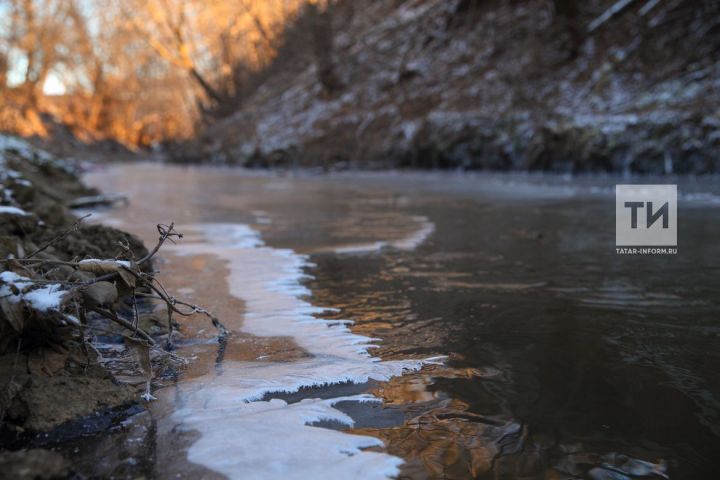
(564, 359)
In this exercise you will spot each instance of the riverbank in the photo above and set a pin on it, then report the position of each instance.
(485, 85)
(65, 365)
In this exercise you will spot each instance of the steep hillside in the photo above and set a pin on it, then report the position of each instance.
(488, 85)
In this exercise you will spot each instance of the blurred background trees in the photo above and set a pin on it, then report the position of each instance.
(140, 72)
(134, 71)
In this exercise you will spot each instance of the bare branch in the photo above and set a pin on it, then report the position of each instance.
(616, 9)
(62, 235)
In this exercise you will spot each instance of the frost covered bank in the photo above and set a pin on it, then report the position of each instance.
(48, 375)
(489, 85)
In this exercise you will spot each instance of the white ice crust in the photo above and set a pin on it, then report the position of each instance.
(410, 242)
(243, 436)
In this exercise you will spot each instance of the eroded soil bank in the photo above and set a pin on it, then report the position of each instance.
(55, 370)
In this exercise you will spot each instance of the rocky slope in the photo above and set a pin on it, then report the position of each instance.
(495, 84)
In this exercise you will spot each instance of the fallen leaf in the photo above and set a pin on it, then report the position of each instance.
(13, 314)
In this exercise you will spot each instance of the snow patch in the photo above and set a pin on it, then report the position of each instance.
(111, 261)
(30, 153)
(42, 299)
(13, 211)
(46, 298)
(8, 142)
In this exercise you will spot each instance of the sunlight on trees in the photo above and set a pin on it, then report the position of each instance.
(135, 71)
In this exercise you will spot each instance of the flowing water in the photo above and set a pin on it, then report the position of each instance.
(426, 325)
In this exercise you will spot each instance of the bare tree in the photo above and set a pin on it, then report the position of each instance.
(568, 22)
(322, 37)
(133, 70)
(3, 70)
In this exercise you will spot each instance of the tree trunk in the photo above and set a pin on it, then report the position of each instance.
(567, 19)
(3, 71)
(322, 37)
(207, 88)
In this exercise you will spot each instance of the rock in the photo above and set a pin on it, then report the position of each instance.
(98, 241)
(60, 273)
(8, 246)
(79, 276)
(35, 464)
(100, 294)
(155, 324)
(17, 225)
(36, 404)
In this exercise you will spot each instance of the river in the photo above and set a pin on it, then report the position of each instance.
(422, 325)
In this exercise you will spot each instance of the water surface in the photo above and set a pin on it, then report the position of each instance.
(562, 357)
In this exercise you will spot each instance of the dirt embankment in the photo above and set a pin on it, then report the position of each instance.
(56, 360)
(501, 85)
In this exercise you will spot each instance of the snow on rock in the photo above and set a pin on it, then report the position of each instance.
(109, 262)
(30, 153)
(11, 277)
(13, 211)
(8, 142)
(44, 299)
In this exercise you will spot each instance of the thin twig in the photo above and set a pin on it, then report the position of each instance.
(166, 232)
(136, 315)
(59, 237)
(153, 347)
(115, 318)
